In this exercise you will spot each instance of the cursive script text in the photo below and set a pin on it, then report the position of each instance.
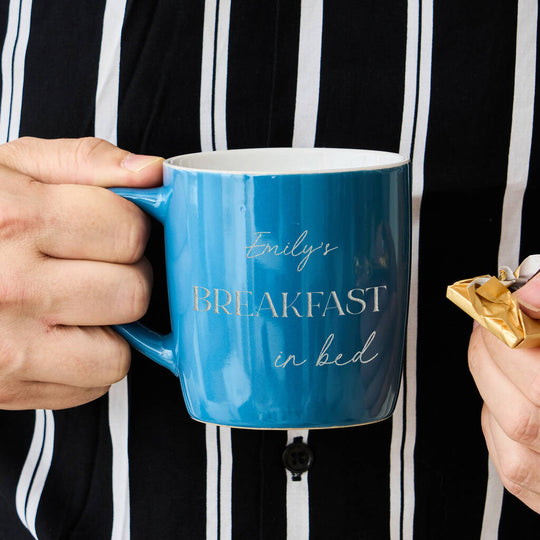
(364, 356)
(299, 248)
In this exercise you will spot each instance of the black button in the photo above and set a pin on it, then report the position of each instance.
(297, 458)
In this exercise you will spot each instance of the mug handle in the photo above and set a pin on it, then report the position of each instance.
(157, 347)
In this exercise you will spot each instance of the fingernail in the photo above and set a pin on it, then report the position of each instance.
(527, 306)
(137, 162)
(527, 297)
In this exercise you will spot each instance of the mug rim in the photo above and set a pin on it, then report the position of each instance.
(387, 160)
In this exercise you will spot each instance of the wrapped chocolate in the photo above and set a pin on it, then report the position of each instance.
(489, 300)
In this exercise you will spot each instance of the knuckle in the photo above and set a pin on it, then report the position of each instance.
(515, 474)
(524, 428)
(514, 489)
(120, 356)
(105, 363)
(85, 148)
(134, 239)
(17, 220)
(139, 290)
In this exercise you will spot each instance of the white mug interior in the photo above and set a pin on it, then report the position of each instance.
(287, 160)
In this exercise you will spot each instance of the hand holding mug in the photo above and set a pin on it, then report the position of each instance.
(71, 263)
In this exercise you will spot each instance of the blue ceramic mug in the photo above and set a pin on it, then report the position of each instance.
(288, 280)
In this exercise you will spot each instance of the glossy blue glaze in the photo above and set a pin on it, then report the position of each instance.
(288, 294)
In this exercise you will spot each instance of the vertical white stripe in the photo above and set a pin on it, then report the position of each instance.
(42, 471)
(396, 467)
(424, 96)
(18, 68)
(30, 465)
(38, 461)
(35, 470)
(521, 132)
(8, 52)
(304, 133)
(411, 67)
(213, 126)
(309, 71)
(225, 483)
(407, 127)
(297, 497)
(219, 463)
(220, 89)
(493, 505)
(109, 71)
(516, 183)
(207, 75)
(13, 63)
(13, 55)
(211, 482)
(106, 128)
(118, 427)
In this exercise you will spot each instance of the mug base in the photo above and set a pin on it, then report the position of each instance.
(285, 428)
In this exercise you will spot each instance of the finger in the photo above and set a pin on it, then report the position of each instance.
(80, 161)
(518, 466)
(520, 366)
(88, 357)
(89, 293)
(529, 297)
(37, 395)
(85, 222)
(517, 416)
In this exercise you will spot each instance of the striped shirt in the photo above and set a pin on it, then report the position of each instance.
(452, 84)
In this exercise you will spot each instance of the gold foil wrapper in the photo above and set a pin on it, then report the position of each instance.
(489, 301)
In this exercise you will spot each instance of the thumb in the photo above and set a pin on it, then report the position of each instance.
(528, 297)
(88, 160)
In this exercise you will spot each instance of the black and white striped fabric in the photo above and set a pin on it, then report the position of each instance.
(452, 84)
